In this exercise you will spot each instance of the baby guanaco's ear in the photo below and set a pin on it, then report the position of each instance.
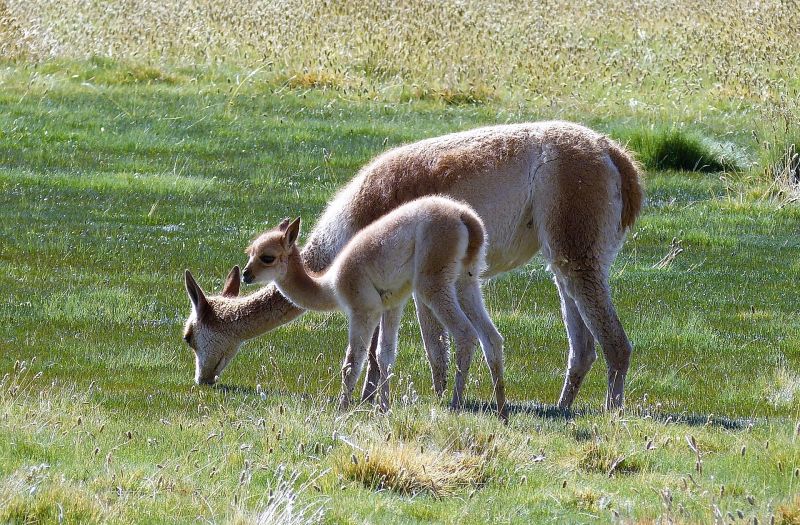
(196, 296)
(291, 234)
(231, 287)
(284, 224)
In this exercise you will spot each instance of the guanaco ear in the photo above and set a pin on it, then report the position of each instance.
(232, 282)
(196, 296)
(284, 224)
(291, 233)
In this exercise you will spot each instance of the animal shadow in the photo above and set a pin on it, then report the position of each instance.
(546, 411)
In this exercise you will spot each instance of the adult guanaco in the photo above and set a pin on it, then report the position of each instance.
(556, 188)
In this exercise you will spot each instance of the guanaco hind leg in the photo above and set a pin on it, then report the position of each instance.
(360, 331)
(387, 351)
(471, 299)
(582, 352)
(437, 345)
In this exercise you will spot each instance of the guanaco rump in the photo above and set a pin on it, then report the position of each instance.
(556, 188)
(432, 247)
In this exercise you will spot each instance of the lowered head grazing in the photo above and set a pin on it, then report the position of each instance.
(269, 253)
(213, 347)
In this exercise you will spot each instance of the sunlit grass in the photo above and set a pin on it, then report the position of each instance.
(240, 457)
(710, 67)
(118, 173)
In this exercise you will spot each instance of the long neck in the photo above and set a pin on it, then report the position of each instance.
(255, 314)
(312, 292)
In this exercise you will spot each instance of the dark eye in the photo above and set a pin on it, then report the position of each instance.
(267, 259)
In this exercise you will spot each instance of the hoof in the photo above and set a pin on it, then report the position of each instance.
(503, 415)
(368, 399)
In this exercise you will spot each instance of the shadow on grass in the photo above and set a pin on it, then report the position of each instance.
(533, 408)
(552, 412)
(546, 411)
(703, 420)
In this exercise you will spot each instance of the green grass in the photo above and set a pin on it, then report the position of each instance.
(679, 150)
(108, 190)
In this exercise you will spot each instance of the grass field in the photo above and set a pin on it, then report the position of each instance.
(118, 173)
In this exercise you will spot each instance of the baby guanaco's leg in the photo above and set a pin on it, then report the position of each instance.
(437, 345)
(469, 294)
(373, 375)
(387, 351)
(360, 331)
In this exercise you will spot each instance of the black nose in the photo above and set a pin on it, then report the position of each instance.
(247, 277)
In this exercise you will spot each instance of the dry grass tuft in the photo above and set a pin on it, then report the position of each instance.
(111, 72)
(315, 79)
(788, 513)
(283, 505)
(477, 442)
(784, 388)
(407, 470)
(450, 95)
(785, 171)
(585, 499)
(31, 495)
(675, 249)
(603, 458)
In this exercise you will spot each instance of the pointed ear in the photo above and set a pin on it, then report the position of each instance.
(196, 296)
(291, 233)
(232, 282)
(284, 224)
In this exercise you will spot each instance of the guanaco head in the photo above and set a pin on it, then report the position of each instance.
(269, 253)
(213, 347)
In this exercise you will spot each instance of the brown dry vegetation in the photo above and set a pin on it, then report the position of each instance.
(666, 54)
(727, 68)
(789, 513)
(409, 470)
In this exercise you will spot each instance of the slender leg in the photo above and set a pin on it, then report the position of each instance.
(387, 351)
(469, 294)
(373, 373)
(437, 346)
(440, 297)
(362, 326)
(592, 295)
(582, 353)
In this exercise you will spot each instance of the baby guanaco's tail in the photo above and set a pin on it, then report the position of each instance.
(477, 240)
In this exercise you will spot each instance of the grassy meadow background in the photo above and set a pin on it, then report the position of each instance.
(139, 138)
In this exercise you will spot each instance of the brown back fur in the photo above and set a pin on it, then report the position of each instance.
(430, 167)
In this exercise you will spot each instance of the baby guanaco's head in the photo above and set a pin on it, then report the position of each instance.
(269, 253)
(213, 344)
